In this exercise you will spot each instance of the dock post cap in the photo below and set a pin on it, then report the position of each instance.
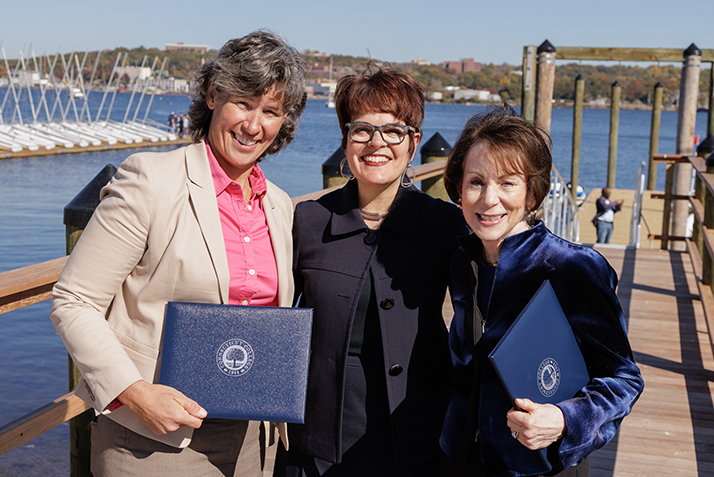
(80, 209)
(709, 161)
(546, 47)
(436, 146)
(332, 165)
(693, 50)
(579, 78)
(658, 84)
(616, 84)
(706, 147)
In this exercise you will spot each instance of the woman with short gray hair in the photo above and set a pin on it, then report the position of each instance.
(197, 224)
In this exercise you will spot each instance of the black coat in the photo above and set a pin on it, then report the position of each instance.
(409, 262)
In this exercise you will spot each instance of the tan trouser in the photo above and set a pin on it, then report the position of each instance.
(219, 447)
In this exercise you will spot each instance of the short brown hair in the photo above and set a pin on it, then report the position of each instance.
(250, 66)
(381, 90)
(517, 146)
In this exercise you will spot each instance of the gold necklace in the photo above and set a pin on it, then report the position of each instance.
(483, 256)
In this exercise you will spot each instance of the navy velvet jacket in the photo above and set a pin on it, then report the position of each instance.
(585, 286)
(408, 259)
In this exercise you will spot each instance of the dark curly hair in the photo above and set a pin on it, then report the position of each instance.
(250, 66)
(517, 146)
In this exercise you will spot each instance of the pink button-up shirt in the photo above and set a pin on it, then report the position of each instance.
(251, 259)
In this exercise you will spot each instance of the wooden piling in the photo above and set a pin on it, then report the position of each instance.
(577, 133)
(528, 92)
(686, 120)
(544, 84)
(710, 116)
(331, 175)
(616, 94)
(654, 135)
(434, 150)
(76, 216)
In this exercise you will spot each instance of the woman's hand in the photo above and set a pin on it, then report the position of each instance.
(537, 425)
(162, 409)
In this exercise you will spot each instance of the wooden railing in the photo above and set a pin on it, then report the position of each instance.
(33, 284)
(20, 288)
(701, 245)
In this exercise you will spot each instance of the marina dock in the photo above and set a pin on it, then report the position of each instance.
(651, 214)
(670, 431)
(671, 428)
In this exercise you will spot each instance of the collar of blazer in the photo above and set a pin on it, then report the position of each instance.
(402, 218)
(205, 206)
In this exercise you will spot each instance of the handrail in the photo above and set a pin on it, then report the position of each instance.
(635, 227)
(39, 421)
(32, 284)
(560, 212)
(28, 285)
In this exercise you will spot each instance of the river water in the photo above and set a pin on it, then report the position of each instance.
(33, 192)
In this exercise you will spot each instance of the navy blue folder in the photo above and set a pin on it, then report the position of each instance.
(239, 362)
(539, 358)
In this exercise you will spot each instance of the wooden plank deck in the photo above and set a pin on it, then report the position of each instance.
(671, 428)
(651, 213)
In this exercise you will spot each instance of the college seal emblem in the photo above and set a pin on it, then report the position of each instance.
(235, 357)
(548, 377)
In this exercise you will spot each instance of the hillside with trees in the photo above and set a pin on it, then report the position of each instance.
(637, 81)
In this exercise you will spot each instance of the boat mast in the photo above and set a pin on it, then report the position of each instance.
(106, 89)
(143, 91)
(151, 100)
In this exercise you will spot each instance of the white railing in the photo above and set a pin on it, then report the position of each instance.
(635, 232)
(560, 212)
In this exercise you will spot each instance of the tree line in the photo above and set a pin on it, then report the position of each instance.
(637, 81)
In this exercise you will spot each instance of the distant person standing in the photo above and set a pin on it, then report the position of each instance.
(185, 121)
(179, 124)
(605, 216)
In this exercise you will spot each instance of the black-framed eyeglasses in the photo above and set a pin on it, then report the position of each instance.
(391, 133)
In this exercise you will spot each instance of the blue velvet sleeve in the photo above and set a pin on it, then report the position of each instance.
(586, 290)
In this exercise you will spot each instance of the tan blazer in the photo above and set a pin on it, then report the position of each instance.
(155, 237)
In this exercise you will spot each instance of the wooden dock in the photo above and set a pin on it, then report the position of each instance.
(671, 429)
(651, 212)
(6, 154)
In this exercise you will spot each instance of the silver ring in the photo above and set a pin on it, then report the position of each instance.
(514, 434)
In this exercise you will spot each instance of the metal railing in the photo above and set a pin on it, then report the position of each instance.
(560, 212)
(635, 227)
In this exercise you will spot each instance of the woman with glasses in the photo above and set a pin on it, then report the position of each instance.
(372, 260)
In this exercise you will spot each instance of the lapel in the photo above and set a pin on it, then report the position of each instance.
(205, 207)
(524, 262)
(346, 217)
(277, 226)
(403, 216)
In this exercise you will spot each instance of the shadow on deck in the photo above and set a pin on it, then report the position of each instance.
(671, 428)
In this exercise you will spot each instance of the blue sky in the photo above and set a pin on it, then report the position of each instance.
(398, 31)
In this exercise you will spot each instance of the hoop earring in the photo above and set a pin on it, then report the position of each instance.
(346, 175)
(406, 180)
